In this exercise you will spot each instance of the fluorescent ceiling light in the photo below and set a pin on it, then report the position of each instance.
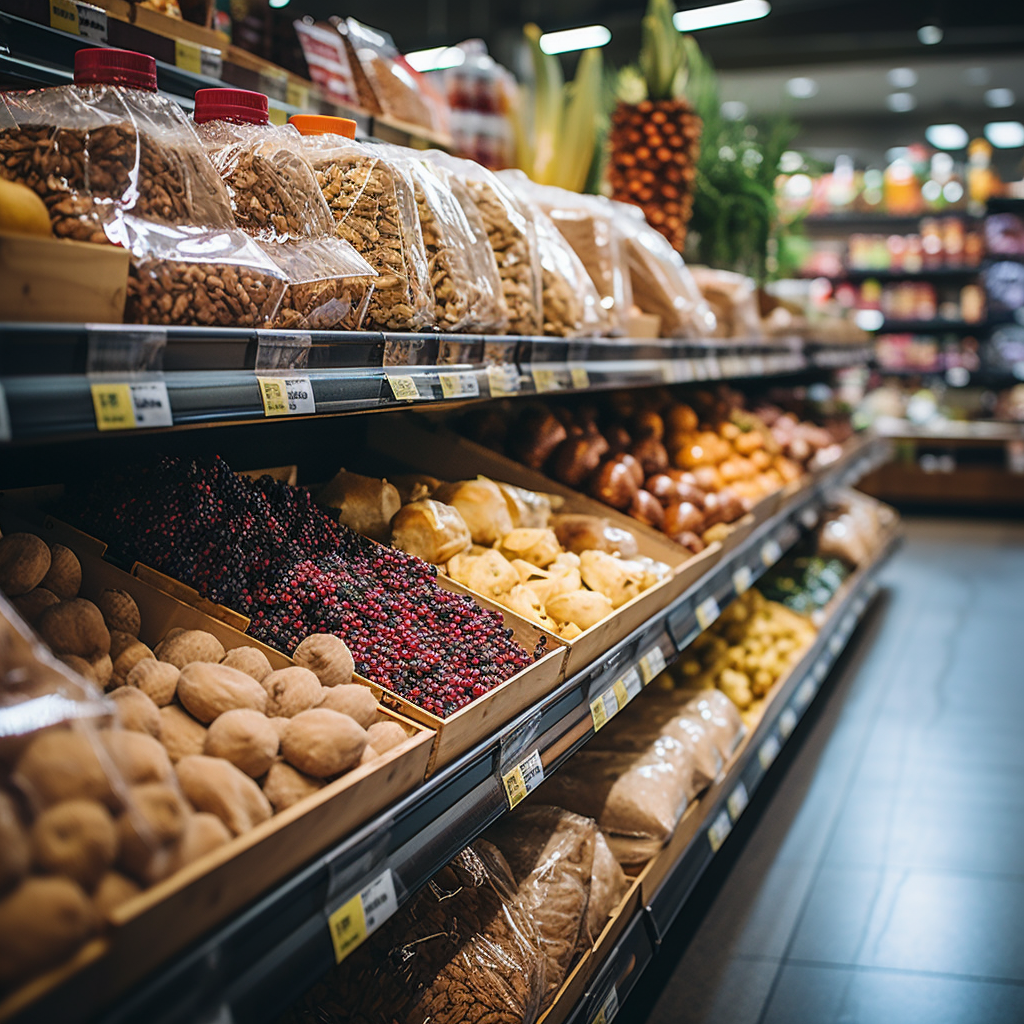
(436, 58)
(902, 78)
(946, 136)
(1000, 98)
(734, 110)
(900, 102)
(1005, 134)
(929, 34)
(802, 88)
(720, 14)
(279, 3)
(575, 39)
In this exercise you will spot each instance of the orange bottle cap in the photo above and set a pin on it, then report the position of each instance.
(322, 124)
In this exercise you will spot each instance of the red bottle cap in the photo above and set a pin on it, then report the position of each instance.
(239, 105)
(96, 65)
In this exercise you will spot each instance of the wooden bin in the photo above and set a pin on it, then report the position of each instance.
(165, 918)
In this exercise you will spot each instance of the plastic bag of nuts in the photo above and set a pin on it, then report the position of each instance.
(512, 236)
(329, 284)
(374, 209)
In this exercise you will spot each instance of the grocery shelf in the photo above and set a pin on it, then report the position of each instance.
(932, 327)
(52, 375)
(256, 963)
(880, 223)
(937, 274)
(949, 430)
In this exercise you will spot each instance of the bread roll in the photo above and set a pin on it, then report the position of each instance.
(430, 530)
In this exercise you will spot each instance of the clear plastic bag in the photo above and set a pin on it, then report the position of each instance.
(182, 275)
(463, 274)
(374, 209)
(720, 717)
(329, 284)
(608, 885)
(551, 853)
(733, 299)
(273, 191)
(462, 950)
(662, 283)
(513, 239)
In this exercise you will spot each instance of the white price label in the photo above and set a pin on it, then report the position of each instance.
(131, 406)
(92, 23)
(742, 578)
(652, 664)
(835, 644)
(707, 612)
(771, 552)
(287, 396)
(809, 518)
(820, 671)
(737, 802)
(459, 385)
(787, 723)
(503, 380)
(769, 751)
(805, 694)
(523, 779)
(719, 830)
(362, 915)
(633, 685)
(849, 621)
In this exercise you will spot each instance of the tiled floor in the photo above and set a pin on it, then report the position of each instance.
(884, 882)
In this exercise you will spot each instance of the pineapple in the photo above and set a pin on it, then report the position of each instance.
(655, 134)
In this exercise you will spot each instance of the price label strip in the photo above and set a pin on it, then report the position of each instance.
(651, 664)
(805, 694)
(609, 1008)
(523, 779)
(79, 19)
(771, 552)
(719, 830)
(287, 396)
(707, 612)
(579, 376)
(503, 380)
(742, 578)
(787, 723)
(615, 698)
(131, 406)
(362, 915)
(459, 385)
(737, 802)
(404, 388)
(769, 751)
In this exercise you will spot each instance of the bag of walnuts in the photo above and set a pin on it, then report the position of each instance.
(108, 154)
(374, 208)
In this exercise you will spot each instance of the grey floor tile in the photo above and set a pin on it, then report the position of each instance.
(721, 991)
(807, 994)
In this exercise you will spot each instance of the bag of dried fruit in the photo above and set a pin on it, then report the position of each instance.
(110, 157)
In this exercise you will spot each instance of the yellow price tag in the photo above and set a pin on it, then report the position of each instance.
(348, 927)
(621, 693)
(503, 380)
(515, 786)
(188, 56)
(113, 406)
(580, 377)
(277, 115)
(403, 388)
(459, 385)
(707, 612)
(296, 95)
(599, 713)
(64, 16)
(523, 779)
(544, 379)
(274, 395)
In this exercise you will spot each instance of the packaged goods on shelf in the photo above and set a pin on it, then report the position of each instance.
(733, 299)
(374, 207)
(328, 61)
(804, 581)
(662, 283)
(853, 528)
(513, 238)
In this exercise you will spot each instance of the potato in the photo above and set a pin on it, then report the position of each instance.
(245, 738)
(203, 833)
(75, 627)
(63, 765)
(136, 711)
(180, 734)
(285, 785)
(42, 923)
(207, 690)
(218, 787)
(24, 563)
(76, 838)
(291, 690)
(127, 658)
(368, 756)
(64, 577)
(101, 669)
(113, 890)
(155, 819)
(189, 646)
(157, 679)
(322, 743)
(31, 605)
(120, 611)
(326, 655)
(250, 660)
(354, 700)
(138, 757)
(15, 849)
(385, 735)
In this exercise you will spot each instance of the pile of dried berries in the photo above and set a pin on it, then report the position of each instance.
(264, 549)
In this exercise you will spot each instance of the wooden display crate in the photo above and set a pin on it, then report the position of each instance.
(165, 918)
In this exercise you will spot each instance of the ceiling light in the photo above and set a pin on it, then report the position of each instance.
(436, 59)
(720, 14)
(1000, 98)
(575, 39)
(900, 102)
(279, 3)
(929, 34)
(802, 88)
(734, 110)
(1005, 134)
(902, 78)
(977, 76)
(946, 136)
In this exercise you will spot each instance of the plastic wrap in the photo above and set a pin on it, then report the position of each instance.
(720, 718)
(608, 885)
(329, 284)
(374, 208)
(74, 840)
(273, 191)
(462, 950)
(733, 299)
(551, 853)
(463, 274)
(852, 530)
(513, 239)
(662, 283)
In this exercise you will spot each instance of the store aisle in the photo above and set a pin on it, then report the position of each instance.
(884, 882)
